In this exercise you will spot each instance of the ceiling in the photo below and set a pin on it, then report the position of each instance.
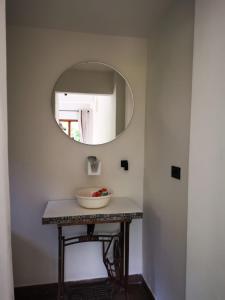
(115, 17)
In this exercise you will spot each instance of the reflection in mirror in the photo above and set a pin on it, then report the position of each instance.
(93, 103)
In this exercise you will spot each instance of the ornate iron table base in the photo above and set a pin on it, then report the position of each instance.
(117, 267)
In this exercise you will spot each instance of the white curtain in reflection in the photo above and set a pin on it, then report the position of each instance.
(86, 127)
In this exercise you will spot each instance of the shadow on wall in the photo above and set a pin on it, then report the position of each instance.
(26, 250)
(151, 238)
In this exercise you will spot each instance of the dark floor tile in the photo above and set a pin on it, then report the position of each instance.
(96, 291)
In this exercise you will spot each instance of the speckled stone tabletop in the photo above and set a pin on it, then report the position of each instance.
(68, 212)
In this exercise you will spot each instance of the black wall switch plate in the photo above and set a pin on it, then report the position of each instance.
(124, 164)
(176, 172)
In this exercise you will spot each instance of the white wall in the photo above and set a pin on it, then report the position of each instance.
(206, 213)
(104, 119)
(120, 87)
(85, 81)
(129, 105)
(45, 164)
(6, 281)
(167, 144)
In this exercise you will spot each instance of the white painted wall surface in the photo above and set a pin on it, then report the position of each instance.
(45, 164)
(206, 213)
(104, 119)
(129, 106)
(167, 144)
(6, 280)
(84, 81)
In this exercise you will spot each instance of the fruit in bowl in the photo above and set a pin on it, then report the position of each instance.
(93, 197)
(101, 192)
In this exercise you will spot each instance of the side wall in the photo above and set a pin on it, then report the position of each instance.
(80, 81)
(167, 144)
(206, 213)
(45, 164)
(6, 282)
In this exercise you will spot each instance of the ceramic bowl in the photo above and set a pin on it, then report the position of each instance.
(85, 199)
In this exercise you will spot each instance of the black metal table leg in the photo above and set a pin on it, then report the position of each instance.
(60, 264)
(90, 229)
(123, 272)
(122, 232)
(126, 266)
(62, 267)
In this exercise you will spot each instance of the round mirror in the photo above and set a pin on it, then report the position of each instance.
(92, 103)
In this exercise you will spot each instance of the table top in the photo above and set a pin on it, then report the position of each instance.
(68, 212)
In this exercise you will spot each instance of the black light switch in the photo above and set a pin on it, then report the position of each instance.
(176, 172)
(124, 164)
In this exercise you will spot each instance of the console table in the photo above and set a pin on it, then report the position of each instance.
(67, 213)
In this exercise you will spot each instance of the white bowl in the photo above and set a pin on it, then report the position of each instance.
(85, 199)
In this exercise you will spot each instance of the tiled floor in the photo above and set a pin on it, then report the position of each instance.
(93, 291)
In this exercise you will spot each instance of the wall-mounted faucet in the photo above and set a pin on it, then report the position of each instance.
(94, 165)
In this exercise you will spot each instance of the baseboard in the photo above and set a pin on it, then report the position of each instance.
(45, 290)
(149, 292)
